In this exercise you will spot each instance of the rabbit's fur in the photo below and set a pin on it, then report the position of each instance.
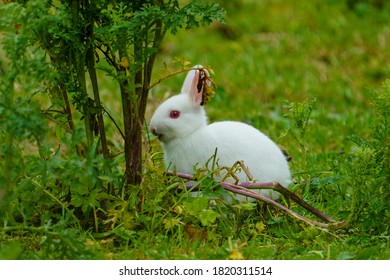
(181, 125)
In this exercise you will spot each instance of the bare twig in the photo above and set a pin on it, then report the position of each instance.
(174, 73)
(287, 193)
(168, 76)
(114, 122)
(246, 189)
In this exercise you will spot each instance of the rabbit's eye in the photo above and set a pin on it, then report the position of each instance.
(174, 114)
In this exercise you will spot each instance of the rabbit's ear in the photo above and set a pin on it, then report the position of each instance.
(187, 85)
(193, 85)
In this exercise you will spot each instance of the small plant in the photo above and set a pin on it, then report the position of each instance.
(369, 170)
(299, 114)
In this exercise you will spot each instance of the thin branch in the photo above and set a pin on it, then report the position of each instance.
(110, 59)
(171, 74)
(267, 200)
(287, 193)
(168, 76)
(115, 123)
(246, 189)
(67, 109)
(95, 89)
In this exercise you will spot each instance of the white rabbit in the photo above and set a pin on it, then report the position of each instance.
(181, 126)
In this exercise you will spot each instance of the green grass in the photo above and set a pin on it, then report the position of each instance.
(274, 53)
(272, 59)
(289, 52)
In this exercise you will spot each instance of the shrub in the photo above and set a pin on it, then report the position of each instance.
(60, 163)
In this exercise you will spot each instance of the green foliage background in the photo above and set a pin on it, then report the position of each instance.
(310, 74)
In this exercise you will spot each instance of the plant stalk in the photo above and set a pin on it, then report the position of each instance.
(245, 190)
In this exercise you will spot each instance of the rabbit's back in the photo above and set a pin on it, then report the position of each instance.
(239, 141)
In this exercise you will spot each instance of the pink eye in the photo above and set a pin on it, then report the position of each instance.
(174, 114)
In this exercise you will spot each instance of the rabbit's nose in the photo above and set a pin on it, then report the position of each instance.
(153, 130)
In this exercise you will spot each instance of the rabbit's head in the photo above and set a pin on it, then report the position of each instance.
(181, 115)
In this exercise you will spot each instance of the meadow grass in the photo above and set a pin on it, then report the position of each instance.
(271, 57)
(304, 73)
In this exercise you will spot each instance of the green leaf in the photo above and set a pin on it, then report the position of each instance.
(208, 217)
(245, 206)
(198, 204)
(170, 223)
